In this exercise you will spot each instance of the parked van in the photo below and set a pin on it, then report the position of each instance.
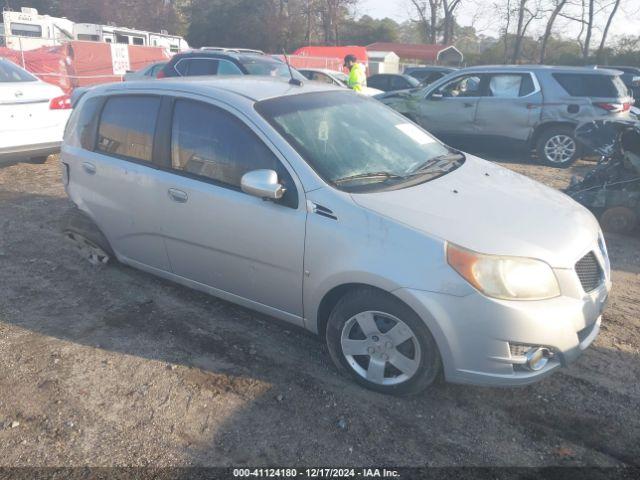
(335, 213)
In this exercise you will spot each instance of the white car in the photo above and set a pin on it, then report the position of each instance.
(33, 115)
(334, 77)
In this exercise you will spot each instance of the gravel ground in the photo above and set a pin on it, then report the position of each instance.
(113, 367)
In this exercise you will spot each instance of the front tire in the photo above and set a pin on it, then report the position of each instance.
(557, 147)
(381, 343)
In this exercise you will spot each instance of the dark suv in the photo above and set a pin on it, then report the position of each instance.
(213, 62)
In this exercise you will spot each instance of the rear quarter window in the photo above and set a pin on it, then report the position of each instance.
(590, 85)
(81, 127)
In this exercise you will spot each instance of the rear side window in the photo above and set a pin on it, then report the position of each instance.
(81, 127)
(590, 85)
(198, 66)
(127, 126)
(379, 82)
(209, 142)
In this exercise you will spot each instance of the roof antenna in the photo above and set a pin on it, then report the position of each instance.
(293, 80)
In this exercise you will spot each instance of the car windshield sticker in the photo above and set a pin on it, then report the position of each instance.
(415, 134)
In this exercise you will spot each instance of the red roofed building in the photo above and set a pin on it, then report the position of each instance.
(334, 52)
(421, 53)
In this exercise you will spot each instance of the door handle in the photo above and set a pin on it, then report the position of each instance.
(468, 105)
(178, 195)
(90, 168)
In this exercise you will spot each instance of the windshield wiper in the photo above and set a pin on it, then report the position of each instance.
(445, 163)
(365, 176)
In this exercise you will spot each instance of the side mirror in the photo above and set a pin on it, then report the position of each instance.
(436, 96)
(262, 184)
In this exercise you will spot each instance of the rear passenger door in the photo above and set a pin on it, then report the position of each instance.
(116, 180)
(511, 107)
(216, 234)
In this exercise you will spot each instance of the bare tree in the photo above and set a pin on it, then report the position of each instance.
(605, 33)
(559, 5)
(428, 20)
(589, 24)
(449, 8)
(526, 14)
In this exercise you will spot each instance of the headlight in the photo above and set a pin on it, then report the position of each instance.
(507, 278)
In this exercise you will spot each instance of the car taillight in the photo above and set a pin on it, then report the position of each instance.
(615, 107)
(60, 103)
(161, 74)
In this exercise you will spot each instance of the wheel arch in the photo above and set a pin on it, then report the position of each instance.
(543, 127)
(332, 297)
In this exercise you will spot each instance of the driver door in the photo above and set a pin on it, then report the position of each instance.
(215, 234)
(450, 110)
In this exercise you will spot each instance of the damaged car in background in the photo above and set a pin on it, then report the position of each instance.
(535, 107)
(612, 189)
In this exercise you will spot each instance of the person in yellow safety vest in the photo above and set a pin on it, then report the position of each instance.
(357, 75)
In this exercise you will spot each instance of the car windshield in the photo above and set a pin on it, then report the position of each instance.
(269, 68)
(9, 72)
(357, 144)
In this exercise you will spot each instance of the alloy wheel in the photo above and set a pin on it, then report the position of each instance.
(380, 348)
(560, 149)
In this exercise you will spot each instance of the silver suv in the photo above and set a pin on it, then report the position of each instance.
(533, 106)
(337, 214)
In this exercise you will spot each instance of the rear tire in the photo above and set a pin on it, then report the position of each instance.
(89, 241)
(381, 343)
(557, 147)
(619, 220)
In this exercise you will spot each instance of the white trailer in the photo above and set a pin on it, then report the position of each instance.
(27, 30)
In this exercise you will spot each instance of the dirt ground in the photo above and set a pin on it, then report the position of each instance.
(113, 367)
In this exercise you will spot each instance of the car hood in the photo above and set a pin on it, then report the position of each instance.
(490, 209)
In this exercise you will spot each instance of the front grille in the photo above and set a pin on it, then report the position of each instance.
(589, 272)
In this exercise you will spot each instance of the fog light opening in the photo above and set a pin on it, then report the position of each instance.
(537, 358)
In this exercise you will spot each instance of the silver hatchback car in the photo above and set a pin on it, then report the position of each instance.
(333, 212)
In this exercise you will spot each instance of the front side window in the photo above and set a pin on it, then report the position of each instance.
(465, 86)
(26, 30)
(510, 86)
(211, 143)
(127, 126)
(357, 144)
(225, 67)
(10, 72)
(269, 68)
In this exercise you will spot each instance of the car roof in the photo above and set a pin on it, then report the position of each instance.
(321, 70)
(537, 68)
(253, 87)
(221, 54)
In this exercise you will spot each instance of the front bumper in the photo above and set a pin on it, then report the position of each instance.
(474, 332)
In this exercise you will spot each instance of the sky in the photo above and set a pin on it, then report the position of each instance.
(627, 21)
